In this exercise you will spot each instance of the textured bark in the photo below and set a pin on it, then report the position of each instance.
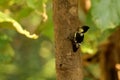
(110, 56)
(66, 22)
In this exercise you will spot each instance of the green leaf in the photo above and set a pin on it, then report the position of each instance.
(103, 18)
(105, 13)
(4, 39)
(36, 4)
(8, 22)
(6, 53)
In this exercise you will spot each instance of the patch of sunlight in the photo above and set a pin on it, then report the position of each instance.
(45, 49)
(88, 50)
(49, 69)
(44, 52)
(8, 68)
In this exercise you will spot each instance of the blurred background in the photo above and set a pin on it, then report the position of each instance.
(25, 56)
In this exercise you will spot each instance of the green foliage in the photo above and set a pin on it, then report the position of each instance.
(22, 58)
(6, 51)
(103, 18)
(105, 13)
(36, 4)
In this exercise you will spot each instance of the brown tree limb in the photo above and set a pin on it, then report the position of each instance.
(66, 22)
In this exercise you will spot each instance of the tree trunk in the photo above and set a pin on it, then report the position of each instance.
(110, 56)
(66, 22)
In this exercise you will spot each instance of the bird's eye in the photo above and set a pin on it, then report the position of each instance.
(85, 29)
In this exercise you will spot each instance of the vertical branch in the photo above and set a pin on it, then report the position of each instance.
(66, 22)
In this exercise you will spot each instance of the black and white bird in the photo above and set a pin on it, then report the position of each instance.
(79, 37)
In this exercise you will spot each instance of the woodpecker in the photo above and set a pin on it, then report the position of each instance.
(79, 37)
